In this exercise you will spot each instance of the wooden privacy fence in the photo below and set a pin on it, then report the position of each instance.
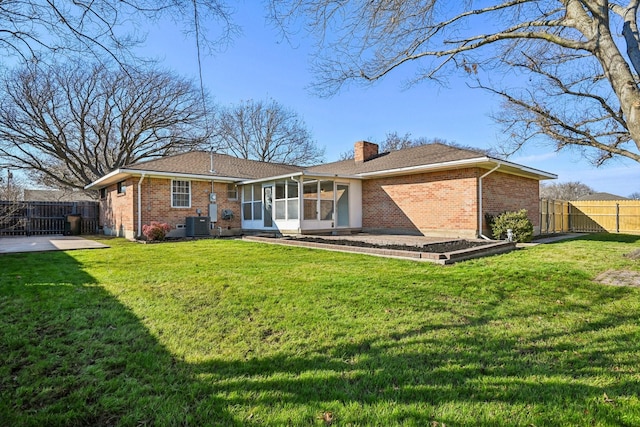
(612, 216)
(38, 218)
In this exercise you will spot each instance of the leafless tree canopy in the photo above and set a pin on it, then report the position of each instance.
(266, 131)
(99, 28)
(11, 187)
(70, 124)
(572, 190)
(566, 70)
(11, 191)
(394, 141)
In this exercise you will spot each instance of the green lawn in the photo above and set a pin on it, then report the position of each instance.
(221, 332)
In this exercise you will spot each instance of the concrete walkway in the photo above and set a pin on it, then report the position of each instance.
(552, 239)
(46, 243)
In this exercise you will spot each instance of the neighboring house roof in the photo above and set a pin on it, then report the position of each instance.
(601, 196)
(56, 196)
(430, 157)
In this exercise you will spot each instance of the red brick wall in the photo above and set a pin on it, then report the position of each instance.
(120, 213)
(444, 203)
(437, 203)
(156, 203)
(116, 210)
(502, 192)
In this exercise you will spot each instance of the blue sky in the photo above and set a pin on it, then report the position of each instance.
(257, 65)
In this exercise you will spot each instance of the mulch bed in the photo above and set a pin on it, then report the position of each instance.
(442, 247)
(178, 239)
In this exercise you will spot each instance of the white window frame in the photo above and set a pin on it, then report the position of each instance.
(287, 199)
(254, 203)
(174, 193)
(232, 191)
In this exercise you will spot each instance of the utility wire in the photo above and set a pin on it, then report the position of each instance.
(196, 19)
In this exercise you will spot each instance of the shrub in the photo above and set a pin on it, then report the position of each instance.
(156, 230)
(518, 222)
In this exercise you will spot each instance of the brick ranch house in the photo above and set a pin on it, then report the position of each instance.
(434, 189)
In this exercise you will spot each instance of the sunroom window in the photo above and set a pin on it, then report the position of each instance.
(319, 201)
(286, 200)
(252, 202)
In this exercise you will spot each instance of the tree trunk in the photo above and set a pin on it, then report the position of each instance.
(623, 83)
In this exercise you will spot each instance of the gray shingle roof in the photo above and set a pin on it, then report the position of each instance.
(233, 168)
(199, 162)
(416, 156)
(56, 196)
(601, 196)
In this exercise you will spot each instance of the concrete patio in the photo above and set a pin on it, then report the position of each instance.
(19, 244)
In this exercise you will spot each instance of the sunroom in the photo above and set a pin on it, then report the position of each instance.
(301, 203)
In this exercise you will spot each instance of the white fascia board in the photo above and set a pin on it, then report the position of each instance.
(271, 178)
(458, 164)
(298, 174)
(527, 169)
(330, 175)
(120, 174)
(188, 176)
(108, 177)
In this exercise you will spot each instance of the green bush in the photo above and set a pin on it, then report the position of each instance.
(518, 222)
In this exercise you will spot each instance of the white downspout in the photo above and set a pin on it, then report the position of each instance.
(480, 201)
(140, 206)
(300, 201)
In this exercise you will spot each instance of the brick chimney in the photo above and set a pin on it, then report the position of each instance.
(364, 151)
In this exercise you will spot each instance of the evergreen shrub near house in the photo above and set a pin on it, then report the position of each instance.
(518, 222)
(156, 230)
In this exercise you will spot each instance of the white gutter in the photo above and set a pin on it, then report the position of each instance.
(271, 178)
(140, 205)
(480, 200)
(105, 178)
(299, 174)
(312, 174)
(158, 174)
(191, 176)
(443, 165)
(459, 163)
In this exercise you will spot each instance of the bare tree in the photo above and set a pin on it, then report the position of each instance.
(11, 200)
(394, 141)
(71, 124)
(579, 84)
(571, 190)
(33, 29)
(634, 196)
(266, 131)
(11, 187)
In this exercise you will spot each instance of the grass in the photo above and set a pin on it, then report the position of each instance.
(219, 332)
